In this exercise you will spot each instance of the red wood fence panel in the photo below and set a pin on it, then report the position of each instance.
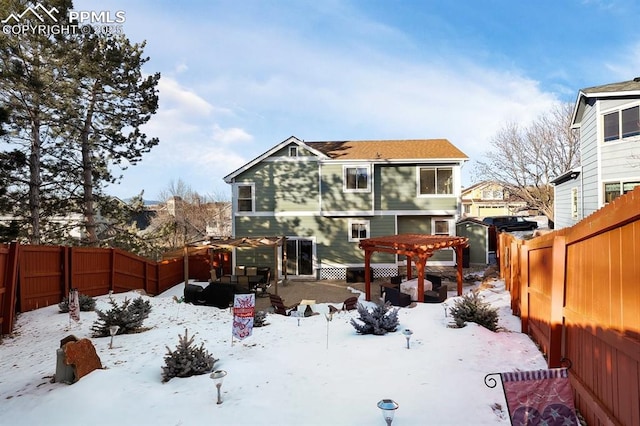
(41, 276)
(90, 270)
(581, 300)
(8, 286)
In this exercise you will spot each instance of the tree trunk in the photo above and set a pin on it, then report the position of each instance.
(34, 182)
(87, 177)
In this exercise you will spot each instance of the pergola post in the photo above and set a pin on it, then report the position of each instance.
(409, 268)
(421, 264)
(367, 274)
(459, 269)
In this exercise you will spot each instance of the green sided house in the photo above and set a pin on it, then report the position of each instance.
(324, 197)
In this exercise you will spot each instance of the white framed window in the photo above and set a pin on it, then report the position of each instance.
(574, 203)
(293, 151)
(245, 196)
(621, 123)
(489, 194)
(356, 179)
(435, 181)
(613, 190)
(440, 227)
(358, 230)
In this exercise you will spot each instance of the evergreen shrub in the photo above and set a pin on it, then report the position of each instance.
(381, 320)
(128, 316)
(186, 360)
(87, 303)
(471, 308)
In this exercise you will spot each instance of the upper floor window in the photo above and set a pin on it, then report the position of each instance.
(622, 124)
(356, 178)
(358, 230)
(613, 190)
(489, 194)
(293, 151)
(246, 198)
(436, 180)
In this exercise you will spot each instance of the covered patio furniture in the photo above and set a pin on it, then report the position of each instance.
(436, 296)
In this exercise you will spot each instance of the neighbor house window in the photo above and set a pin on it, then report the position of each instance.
(436, 180)
(246, 198)
(574, 203)
(293, 151)
(356, 178)
(622, 124)
(358, 230)
(489, 194)
(613, 190)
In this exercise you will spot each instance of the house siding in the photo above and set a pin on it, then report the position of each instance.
(284, 186)
(396, 188)
(562, 204)
(621, 160)
(334, 198)
(589, 158)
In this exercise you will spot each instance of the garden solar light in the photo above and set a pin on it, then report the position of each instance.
(388, 407)
(113, 330)
(407, 333)
(218, 377)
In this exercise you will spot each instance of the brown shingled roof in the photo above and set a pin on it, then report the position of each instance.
(624, 86)
(389, 149)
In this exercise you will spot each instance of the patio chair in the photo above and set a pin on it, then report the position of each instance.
(279, 306)
(396, 297)
(243, 282)
(251, 270)
(349, 304)
(264, 286)
(240, 270)
(436, 296)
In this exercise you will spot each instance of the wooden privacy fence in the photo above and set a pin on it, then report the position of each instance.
(37, 276)
(577, 291)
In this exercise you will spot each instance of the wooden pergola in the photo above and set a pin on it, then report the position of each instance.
(416, 247)
(255, 242)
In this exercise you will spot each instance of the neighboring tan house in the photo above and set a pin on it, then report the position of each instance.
(608, 118)
(324, 197)
(489, 199)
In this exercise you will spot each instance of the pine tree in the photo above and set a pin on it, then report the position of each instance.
(471, 308)
(381, 320)
(186, 360)
(128, 316)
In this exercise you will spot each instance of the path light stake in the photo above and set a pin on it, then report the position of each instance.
(113, 329)
(445, 307)
(218, 377)
(407, 333)
(388, 407)
(329, 317)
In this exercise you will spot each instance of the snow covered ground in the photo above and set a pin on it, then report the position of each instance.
(307, 372)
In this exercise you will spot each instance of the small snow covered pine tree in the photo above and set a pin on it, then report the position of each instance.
(186, 360)
(471, 308)
(381, 320)
(128, 316)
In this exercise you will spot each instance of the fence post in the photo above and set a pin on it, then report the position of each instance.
(523, 307)
(556, 317)
(11, 288)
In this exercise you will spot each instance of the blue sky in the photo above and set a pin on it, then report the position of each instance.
(239, 77)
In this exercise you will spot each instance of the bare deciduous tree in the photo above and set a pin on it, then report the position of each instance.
(526, 159)
(186, 216)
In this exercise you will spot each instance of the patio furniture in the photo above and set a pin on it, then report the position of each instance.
(279, 306)
(396, 297)
(436, 296)
(350, 303)
(251, 270)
